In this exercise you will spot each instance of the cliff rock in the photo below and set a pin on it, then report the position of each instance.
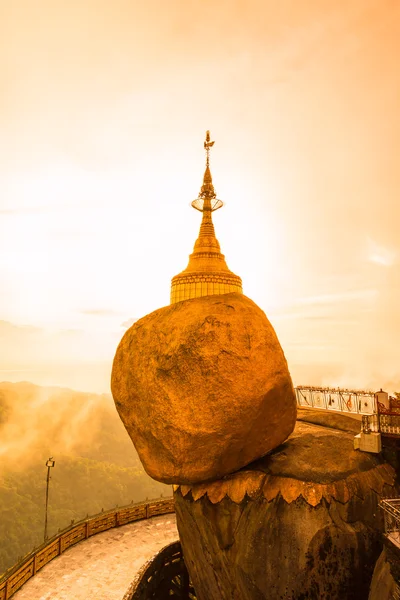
(300, 523)
(383, 585)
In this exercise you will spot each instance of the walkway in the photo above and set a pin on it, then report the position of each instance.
(103, 566)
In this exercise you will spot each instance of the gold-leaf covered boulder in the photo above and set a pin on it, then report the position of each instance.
(203, 388)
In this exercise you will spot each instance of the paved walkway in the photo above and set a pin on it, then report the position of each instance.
(103, 566)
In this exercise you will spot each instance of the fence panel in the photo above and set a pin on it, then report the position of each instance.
(47, 554)
(19, 577)
(389, 424)
(77, 534)
(160, 508)
(318, 399)
(366, 404)
(130, 514)
(101, 523)
(303, 397)
(333, 401)
(349, 402)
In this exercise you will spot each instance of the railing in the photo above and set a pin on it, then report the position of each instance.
(370, 423)
(346, 401)
(391, 512)
(388, 425)
(396, 592)
(15, 577)
(165, 576)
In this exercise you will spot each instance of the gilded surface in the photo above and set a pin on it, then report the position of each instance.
(259, 484)
(203, 388)
(207, 272)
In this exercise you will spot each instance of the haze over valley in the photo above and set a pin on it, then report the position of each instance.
(96, 464)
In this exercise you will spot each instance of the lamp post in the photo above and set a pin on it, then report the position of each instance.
(50, 463)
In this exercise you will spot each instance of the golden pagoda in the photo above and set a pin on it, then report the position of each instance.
(207, 272)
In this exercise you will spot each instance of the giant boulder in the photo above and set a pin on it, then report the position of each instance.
(203, 388)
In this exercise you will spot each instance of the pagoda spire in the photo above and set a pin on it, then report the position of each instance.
(207, 201)
(207, 272)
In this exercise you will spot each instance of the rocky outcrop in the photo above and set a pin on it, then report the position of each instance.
(383, 585)
(301, 523)
(203, 388)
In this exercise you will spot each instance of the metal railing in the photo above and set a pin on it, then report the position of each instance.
(14, 578)
(389, 424)
(391, 513)
(164, 576)
(340, 400)
(370, 423)
(386, 424)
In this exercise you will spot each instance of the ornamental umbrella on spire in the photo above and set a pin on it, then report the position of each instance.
(207, 272)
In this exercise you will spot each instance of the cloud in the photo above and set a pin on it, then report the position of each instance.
(24, 347)
(381, 255)
(7, 328)
(20, 211)
(339, 297)
(99, 312)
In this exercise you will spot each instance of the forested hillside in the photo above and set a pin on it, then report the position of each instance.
(96, 464)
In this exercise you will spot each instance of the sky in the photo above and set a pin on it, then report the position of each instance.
(103, 112)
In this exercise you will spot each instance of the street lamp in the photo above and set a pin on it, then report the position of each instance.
(50, 463)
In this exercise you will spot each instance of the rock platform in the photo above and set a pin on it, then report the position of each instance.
(300, 523)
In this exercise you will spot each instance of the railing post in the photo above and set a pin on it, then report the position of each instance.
(385, 519)
(7, 590)
(34, 565)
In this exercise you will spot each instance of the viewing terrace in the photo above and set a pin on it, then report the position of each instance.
(115, 546)
(379, 412)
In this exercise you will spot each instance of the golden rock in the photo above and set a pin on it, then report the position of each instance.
(203, 389)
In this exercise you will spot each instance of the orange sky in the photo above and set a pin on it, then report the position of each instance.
(103, 110)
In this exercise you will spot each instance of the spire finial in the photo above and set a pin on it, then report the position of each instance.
(207, 145)
(207, 189)
(207, 199)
